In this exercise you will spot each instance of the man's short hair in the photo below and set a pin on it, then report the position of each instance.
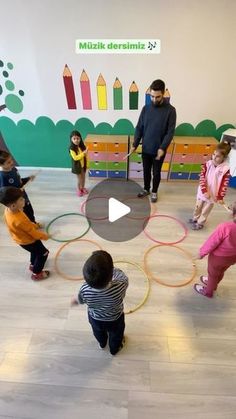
(9, 195)
(158, 85)
(98, 269)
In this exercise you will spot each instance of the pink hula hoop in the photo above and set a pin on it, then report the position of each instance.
(165, 216)
(90, 199)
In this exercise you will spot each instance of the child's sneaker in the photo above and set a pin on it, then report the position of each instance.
(204, 279)
(40, 276)
(192, 221)
(80, 192)
(120, 347)
(197, 226)
(201, 290)
(85, 191)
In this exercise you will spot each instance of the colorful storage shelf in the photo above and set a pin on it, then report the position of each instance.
(106, 154)
(183, 160)
(188, 155)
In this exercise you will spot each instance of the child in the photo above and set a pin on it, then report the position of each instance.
(221, 250)
(24, 232)
(103, 292)
(9, 176)
(78, 153)
(214, 179)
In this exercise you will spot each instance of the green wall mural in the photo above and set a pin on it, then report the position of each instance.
(45, 144)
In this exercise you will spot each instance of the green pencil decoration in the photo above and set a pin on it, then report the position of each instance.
(133, 96)
(117, 94)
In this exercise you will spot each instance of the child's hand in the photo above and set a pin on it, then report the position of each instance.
(32, 177)
(207, 195)
(86, 151)
(221, 202)
(74, 301)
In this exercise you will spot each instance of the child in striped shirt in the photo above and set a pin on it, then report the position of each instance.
(103, 292)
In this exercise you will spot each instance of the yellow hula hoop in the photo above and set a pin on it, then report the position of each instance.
(148, 284)
(160, 281)
(58, 270)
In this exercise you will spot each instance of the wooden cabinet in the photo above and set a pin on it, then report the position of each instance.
(106, 155)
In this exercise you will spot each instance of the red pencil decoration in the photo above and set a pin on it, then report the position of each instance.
(85, 91)
(69, 88)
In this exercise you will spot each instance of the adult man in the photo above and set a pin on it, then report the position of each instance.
(156, 126)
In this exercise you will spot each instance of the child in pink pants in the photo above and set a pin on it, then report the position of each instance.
(221, 250)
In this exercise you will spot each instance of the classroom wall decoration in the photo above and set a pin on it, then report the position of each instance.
(9, 97)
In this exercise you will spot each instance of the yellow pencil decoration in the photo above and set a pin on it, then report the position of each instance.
(101, 93)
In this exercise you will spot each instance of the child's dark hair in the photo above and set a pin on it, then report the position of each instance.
(98, 269)
(158, 85)
(4, 155)
(9, 195)
(75, 147)
(224, 148)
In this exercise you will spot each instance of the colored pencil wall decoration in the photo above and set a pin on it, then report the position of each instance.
(69, 88)
(85, 91)
(133, 96)
(101, 93)
(117, 94)
(167, 96)
(147, 97)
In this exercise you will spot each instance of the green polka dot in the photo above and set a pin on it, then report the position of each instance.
(14, 103)
(21, 92)
(9, 85)
(5, 74)
(1, 63)
(10, 66)
(0, 89)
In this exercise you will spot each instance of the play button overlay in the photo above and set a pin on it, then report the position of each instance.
(115, 212)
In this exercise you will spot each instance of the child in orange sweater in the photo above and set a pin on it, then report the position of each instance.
(24, 232)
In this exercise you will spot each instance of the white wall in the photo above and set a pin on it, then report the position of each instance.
(197, 59)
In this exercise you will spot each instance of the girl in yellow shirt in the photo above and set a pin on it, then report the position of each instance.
(78, 153)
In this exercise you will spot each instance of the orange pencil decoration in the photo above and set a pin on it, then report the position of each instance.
(133, 96)
(69, 88)
(101, 93)
(85, 90)
(167, 96)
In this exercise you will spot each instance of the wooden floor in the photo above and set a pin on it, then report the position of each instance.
(180, 356)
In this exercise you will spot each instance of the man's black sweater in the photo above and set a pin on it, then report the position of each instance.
(156, 127)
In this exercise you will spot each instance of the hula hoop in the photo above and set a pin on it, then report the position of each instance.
(58, 270)
(65, 215)
(148, 286)
(90, 199)
(165, 216)
(160, 281)
(136, 218)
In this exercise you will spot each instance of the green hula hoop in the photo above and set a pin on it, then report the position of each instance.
(65, 215)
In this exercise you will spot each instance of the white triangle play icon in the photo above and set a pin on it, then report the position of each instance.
(117, 210)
